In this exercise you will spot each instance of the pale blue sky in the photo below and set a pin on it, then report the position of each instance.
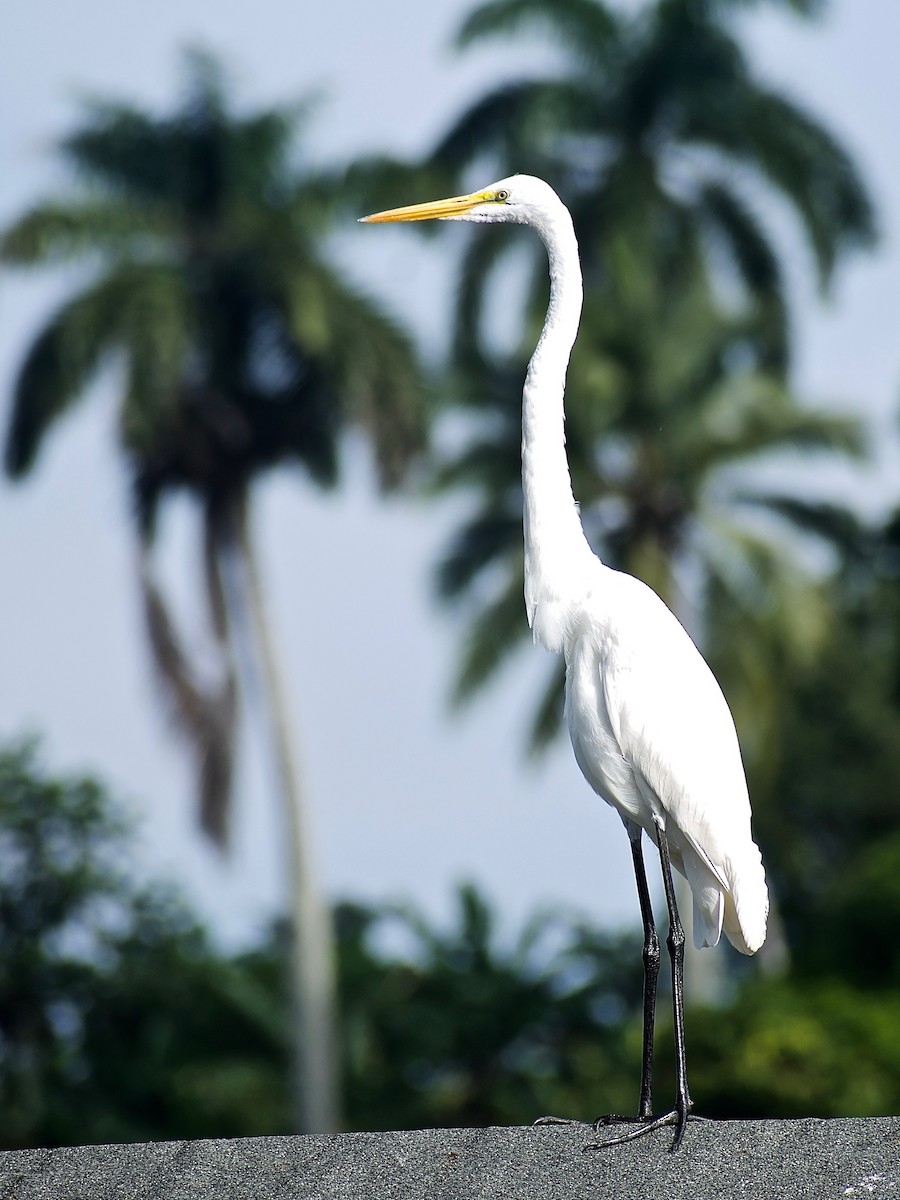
(405, 800)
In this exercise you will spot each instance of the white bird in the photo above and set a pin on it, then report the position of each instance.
(651, 730)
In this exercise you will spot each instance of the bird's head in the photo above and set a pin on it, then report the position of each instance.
(520, 199)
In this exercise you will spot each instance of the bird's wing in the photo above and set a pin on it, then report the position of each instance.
(675, 729)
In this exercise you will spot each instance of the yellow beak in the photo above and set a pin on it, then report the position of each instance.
(455, 206)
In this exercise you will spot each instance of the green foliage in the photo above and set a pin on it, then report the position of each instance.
(825, 790)
(862, 912)
(462, 1030)
(118, 1020)
(792, 1050)
(456, 1029)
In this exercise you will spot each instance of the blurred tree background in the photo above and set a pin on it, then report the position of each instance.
(120, 1020)
(120, 1017)
(241, 350)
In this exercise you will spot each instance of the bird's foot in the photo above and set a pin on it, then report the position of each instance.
(620, 1119)
(597, 1124)
(679, 1117)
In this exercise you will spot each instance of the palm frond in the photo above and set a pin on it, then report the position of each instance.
(484, 542)
(482, 255)
(756, 261)
(548, 717)
(55, 233)
(832, 523)
(517, 123)
(488, 464)
(764, 616)
(782, 607)
(800, 159)
(196, 160)
(589, 28)
(494, 632)
(372, 365)
(125, 150)
(58, 366)
(206, 718)
(803, 8)
(751, 415)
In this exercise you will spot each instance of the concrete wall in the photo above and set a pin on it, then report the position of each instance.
(771, 1160)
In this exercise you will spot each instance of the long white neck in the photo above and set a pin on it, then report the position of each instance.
(558, 559)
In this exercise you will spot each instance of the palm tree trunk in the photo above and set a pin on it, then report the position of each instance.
(316, 1076)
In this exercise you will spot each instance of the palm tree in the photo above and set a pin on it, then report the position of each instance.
(663, 143)
(657, 126)
(238, 349)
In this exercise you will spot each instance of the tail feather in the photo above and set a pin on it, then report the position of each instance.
(737, 903)
(747, 905)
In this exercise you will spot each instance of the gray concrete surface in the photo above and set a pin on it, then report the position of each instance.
(856, 1159)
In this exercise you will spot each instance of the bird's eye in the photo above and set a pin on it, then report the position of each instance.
(503, 195)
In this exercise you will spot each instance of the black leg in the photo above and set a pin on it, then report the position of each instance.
(675, 942)
(651, 975)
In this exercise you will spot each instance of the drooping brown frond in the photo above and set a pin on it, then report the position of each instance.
(205, 716)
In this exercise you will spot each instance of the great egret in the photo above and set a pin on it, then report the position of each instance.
(651, 730)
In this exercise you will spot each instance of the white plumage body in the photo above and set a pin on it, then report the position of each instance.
(651, 730)
(654, 737)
